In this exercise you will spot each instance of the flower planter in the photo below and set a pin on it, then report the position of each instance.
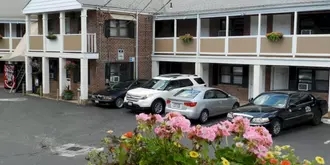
(274, 36)
(67, 96)
(187, 38)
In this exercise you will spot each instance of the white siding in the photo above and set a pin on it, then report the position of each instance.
(42, 6)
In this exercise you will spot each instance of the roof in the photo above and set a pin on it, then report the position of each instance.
(12, 9)
(196, 6)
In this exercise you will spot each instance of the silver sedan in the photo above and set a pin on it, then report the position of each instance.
(200, 103)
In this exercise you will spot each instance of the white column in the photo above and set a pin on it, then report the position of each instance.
(227, 36)
(294, 38)
(259, 72)
(329, 95)
(198, 32)
(62, 30)
(28, 74)
(175, 36)
(259, 35)
(27, 33)
(83, 30)
(83, 79)
(45, 75)
(62, 75)
(198, 69)
(155, 68)
(44, 30)
(206, 73)
(11, 38)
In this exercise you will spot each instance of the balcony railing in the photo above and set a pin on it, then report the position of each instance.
(306, 46)
(8, 44)
(71, 43)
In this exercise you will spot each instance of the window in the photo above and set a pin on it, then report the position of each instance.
(220, 94)
(186, 83)
(121, 28)
(173, 85)
(321, 80)
(209, 94)
(187, 93)
(199, 80)
(231, 75)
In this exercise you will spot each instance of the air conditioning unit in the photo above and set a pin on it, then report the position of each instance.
(114, 79)
(306, 31)
(303, 87)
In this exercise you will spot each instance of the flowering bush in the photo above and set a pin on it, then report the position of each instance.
(70, 65)
(156, 140)
(274, 36)
(187, 38)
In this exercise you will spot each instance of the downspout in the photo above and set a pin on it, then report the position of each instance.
(137, 46)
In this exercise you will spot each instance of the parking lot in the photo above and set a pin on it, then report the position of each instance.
(34, 131)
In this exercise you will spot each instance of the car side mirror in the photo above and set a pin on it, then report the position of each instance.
(250, 99)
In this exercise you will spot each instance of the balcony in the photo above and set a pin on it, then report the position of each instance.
(71, 43)
(8, 44)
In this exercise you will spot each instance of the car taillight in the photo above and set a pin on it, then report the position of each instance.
(168, 101)
(190, 104)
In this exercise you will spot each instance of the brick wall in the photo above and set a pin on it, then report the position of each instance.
(108, 47)
(235, 90)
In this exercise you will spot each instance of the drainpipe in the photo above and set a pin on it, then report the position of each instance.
(137, 46)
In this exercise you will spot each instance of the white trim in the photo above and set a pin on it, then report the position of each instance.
(294, 38)
(313, 54)
(137, 46)
(313, 35)
(165, 38)
(198, 32)
(175, 35)
(213, 53)
(276, 54)
(312, 62)
(258, 46)
(227, 37)
(212, 37)
(185, 53)
(191, 16)
(164, 52)
(44, 30)
(64, 55)
(27, 34)
(11, 36)
(153, 36)
(114, 10)
(251, 36)
(253, 53)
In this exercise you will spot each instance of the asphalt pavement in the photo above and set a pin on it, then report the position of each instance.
(37, 131)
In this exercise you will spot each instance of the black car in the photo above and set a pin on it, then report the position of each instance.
(115, 94)
(276, 110)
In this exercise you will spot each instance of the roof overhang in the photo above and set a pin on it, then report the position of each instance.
(35, 7)
(123, 17)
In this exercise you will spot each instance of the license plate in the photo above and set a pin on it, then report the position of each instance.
(175, 105)
(96, 101)
(130, 103)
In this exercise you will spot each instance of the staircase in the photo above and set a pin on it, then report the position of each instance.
(20, 80)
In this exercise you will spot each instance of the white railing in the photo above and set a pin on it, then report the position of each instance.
(91, 43)
(9, 44)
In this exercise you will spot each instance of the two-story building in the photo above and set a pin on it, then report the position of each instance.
(107, 41)
(12, 30)
(229, 48)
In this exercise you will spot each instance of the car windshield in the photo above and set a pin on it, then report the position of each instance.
(272, 99)
(187, 93)
(120, 85)
(156, 84)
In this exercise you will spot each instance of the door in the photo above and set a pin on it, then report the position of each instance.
(224, 102)
(280, 78)
(211, 102)
(296, 110)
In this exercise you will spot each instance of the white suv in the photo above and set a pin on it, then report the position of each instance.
(153, 94)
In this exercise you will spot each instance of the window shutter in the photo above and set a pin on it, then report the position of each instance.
(131, 29)
(106, 26)
(245, 76)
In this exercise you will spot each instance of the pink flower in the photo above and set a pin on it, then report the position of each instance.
(228, 125)
(220, 130)
(143, 117)
(259, 140)
(202, 133)
(159, 119)
(172, 114)
(179, 123)
(240, 124)
(164, 131)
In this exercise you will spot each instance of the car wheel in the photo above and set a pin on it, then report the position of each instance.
(119, 102)
(275, 127)
(317, 118)
(204, 116)
(236, 105)
(157, 107)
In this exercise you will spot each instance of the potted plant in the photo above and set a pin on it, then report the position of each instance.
(274, 36)
(70, 65)
(187, 38)
(67, 94)
(51, 36)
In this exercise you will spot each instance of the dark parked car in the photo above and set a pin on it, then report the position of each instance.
(281, 109)
(115, 94)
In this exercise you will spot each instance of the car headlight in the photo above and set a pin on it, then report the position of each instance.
(230, 115)
(260, 120)
(146, 96)
(108, 97)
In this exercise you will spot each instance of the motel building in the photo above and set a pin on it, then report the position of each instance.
(230, 50)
